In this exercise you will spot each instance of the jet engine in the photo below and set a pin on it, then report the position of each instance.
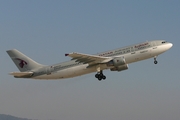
(119, 64)
(120, 68)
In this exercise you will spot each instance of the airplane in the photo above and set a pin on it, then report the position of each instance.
(80, 63)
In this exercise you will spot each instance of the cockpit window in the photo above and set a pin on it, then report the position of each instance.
(163, 42)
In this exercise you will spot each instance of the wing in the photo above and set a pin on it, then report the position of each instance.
(88, 59)
(21, 74)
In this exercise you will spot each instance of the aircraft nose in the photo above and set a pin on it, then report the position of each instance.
(170, 45)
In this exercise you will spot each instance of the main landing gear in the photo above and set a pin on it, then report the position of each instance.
(155, 61)
(100, 76)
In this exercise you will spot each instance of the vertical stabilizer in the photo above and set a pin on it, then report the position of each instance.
(23, 62)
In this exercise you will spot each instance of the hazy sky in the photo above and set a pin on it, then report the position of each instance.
(46, 30)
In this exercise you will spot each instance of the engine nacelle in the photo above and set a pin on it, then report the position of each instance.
(116, 62)
(119, 64)
(120, 68)
(119, 61)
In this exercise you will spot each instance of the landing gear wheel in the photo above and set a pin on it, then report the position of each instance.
(155, 62)
(100, 76)
(97, 75)
(104, 77)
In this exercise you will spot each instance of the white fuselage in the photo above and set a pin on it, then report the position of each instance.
(74, 69)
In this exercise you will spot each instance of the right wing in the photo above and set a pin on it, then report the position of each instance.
(21, 74)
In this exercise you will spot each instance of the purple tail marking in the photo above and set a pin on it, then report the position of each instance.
(22, 62)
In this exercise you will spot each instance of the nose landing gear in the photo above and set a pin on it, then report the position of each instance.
(100, 76)
(155, 61)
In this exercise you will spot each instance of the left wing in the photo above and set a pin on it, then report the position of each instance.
(88, 59)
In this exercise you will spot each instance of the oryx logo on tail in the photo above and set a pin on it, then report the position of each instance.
(22, 62)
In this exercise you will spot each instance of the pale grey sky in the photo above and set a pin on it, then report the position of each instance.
(46, 30)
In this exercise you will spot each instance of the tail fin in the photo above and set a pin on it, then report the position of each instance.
(23, 62)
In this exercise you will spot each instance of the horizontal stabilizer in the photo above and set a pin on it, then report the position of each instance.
(21, 74)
